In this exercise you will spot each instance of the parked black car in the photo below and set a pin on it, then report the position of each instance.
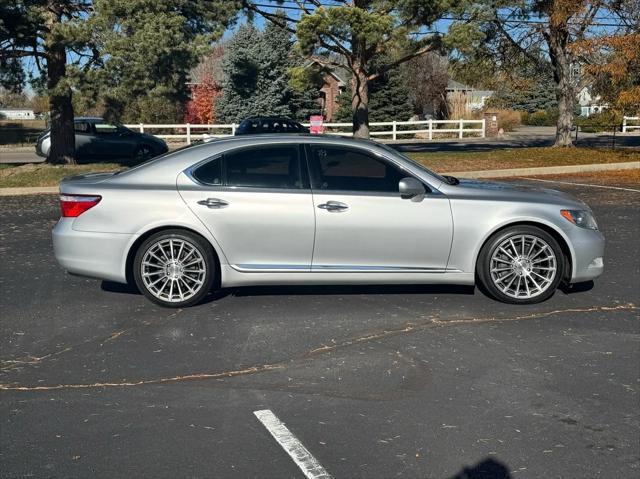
(97, 139)
(269, 124)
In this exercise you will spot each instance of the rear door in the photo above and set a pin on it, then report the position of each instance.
(257, 204)
(362, 222)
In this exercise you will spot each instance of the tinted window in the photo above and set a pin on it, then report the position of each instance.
(210, 173)
(82, 127)
(352, 170)
(269, 125)
(264, 167)
(106, 128)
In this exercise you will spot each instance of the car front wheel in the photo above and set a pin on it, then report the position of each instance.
(521, 265)
(174, 268)
(143, 153)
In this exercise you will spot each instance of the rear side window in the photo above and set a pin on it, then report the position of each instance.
(338, 168)
(264, 167)
(210, 173)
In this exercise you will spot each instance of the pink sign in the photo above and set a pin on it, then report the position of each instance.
(316, 127)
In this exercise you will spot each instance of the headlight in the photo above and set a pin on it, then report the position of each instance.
(581, 218)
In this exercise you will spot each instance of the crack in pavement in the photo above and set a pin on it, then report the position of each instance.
(8, 364)
(407, 328)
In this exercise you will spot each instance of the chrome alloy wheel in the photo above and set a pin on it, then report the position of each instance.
(523, 266)
(173, 270)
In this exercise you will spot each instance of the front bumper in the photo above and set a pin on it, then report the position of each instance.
(588, 258)
(97, 255)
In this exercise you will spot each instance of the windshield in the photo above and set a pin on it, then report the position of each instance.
(413, 162)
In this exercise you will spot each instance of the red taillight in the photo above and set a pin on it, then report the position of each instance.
(72, 206)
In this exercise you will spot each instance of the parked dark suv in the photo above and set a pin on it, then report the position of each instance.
(97, 139)
(269, 124)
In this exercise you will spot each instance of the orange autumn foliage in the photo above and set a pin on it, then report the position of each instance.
(200, 109)
(614, 62)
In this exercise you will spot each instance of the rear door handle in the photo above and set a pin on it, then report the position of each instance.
(333, 206)
(213, 203)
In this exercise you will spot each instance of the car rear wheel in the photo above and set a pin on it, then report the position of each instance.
(174, 268)
(521, 265)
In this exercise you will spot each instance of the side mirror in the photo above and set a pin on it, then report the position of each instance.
(410, 188)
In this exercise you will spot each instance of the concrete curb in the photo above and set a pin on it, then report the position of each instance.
(30, 190)
(544, 170)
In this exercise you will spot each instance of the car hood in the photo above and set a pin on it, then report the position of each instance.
(152, 138)
(506, 191)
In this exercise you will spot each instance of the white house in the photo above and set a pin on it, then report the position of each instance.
(476, 99)
(17, 114)
(590, 104)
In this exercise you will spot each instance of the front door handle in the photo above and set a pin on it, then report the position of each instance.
(333, 206)
(213, 203)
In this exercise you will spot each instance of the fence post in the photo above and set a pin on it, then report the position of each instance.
(430, 129)
(233, 129)
(141, 128)
(394, 134)
(461, 128)
(624, 124)
(484, 128)
(188, 133)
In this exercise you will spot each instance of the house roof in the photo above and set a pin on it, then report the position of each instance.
(453, 85)
(337, 72)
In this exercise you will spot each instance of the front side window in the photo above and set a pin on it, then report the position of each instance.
(264, 167)
(345, 169)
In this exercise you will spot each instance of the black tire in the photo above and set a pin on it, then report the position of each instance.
(483, 265)
(205, 257)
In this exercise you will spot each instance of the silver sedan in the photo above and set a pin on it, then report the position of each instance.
(291, 209)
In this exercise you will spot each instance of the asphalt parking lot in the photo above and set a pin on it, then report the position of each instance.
(375, 382)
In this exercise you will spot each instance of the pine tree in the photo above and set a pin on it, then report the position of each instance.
(256, 80)
(388, 99)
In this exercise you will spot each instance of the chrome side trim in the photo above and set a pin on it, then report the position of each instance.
(375, 269)
(264, 268)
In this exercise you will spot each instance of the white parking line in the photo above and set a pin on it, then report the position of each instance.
(300, 454)
(581, 184)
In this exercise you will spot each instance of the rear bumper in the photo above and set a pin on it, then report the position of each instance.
(588, 246)
(97, 255)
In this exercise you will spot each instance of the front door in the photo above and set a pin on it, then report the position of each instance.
(362, 222)
(257, 205)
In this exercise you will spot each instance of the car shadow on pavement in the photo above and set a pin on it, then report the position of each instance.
(487, 469)
(352, 290)
(577, 287)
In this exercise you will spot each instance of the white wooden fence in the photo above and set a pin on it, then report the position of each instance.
(627, 127)
(429, 128)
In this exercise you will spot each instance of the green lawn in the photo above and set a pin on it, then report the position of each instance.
(522, 158)
(47, 175)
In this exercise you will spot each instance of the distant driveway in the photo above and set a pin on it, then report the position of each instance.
(20, 155)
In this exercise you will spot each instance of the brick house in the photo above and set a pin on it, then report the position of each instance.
(334, 84)
(332, 87)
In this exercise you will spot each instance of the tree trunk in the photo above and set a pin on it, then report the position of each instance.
(558, 39)
(360, 102)
(63, 139)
